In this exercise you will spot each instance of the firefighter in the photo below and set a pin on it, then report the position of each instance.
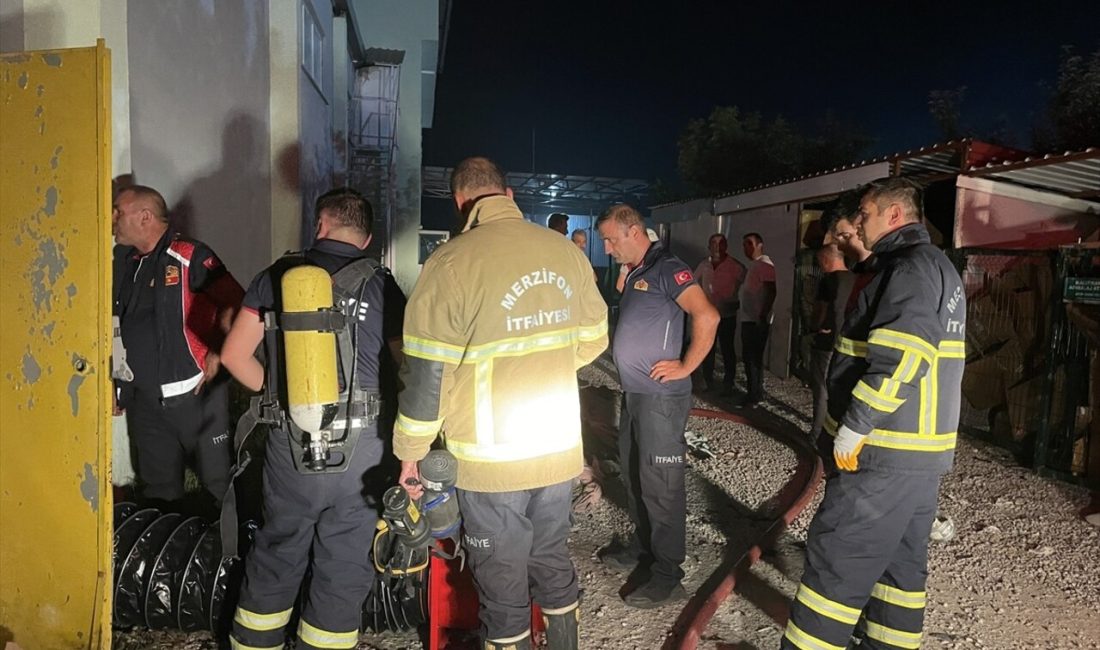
(174, 301)
(313, 506)
(501, 319)
(655, 373)
(894, 386)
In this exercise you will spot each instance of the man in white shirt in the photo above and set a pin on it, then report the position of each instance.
(757, 297)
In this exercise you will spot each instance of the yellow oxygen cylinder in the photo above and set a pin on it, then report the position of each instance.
(313, 389)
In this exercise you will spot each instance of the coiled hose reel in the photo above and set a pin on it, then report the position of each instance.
(409, 532)
(169, 572)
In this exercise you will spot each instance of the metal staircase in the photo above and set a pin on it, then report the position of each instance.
(372, 149)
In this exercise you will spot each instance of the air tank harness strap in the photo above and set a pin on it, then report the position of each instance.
(260, 411)
(322, 320)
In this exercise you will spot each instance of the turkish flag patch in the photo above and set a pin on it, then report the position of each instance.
(682, 278)
(212, 262)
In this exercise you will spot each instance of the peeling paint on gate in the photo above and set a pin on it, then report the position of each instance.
(48, 267)
(89, 487)
(31, 370)
(50, 208)
(55, 258)
(74, 392)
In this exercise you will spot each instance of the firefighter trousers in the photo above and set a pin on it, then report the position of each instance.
(651, 455)
(866, 563)
(323, 516)
(517, 546)
(166, 433)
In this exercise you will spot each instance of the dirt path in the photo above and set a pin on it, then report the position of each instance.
(1022, 572)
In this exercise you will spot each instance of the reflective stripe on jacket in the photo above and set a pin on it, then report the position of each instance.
(498, 324)
(897, 371)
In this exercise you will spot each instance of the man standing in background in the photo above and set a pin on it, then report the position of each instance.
(826, 320)
(559, 221)
(720, 277)
(580, 238)
(757, 297)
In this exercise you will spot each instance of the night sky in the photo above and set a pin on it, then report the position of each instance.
(606, 87)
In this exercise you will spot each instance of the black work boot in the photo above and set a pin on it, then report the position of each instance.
(518, 642)
(620, 557)
(655, 594)
(563, 627)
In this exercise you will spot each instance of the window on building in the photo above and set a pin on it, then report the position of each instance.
(313, 48)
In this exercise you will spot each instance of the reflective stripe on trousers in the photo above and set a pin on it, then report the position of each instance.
(866, 563)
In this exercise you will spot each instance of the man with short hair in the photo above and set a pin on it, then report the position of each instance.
(757, 297)
(580, 238)
(624, 269)
(655, 373)
(720, 277)
(501, 319)
(314, 517)
(843, 232)
(894, 398)
(174, 300)
(826, 320)
(558, 222)
(838, 222)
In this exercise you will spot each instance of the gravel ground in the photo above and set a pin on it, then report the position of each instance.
(1022, 572)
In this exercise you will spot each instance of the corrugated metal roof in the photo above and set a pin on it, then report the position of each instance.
(1075, 173)
(924, 164)
(551, 192)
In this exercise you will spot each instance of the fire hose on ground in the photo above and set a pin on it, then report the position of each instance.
(796, 495)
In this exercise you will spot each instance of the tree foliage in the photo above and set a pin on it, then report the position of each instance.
(1073, 115)
(1071, 120)
(732, 149)
(946, 109)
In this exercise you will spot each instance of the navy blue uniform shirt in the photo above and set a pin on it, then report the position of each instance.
(381, 313)
(651, 323)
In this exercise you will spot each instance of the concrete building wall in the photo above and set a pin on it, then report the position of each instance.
(343, 76)
(315, 98)
(199, 114)
(12, 25)
(688, 240)
(407, 26)
(52, 24)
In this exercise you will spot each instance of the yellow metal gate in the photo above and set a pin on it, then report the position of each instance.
(55, 499)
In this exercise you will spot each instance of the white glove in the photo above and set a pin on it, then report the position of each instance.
(846, 448)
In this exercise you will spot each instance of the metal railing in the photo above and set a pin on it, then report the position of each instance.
(372, 143)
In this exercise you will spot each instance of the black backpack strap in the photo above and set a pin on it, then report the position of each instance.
(349, 284)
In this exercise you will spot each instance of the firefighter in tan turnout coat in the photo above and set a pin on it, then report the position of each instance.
(495, 330)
